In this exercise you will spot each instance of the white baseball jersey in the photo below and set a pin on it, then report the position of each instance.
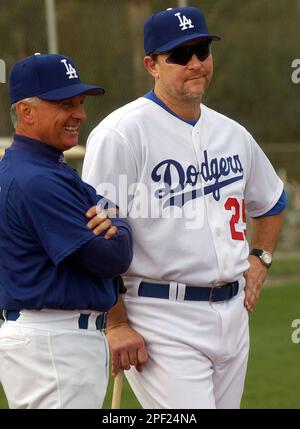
(184, 188)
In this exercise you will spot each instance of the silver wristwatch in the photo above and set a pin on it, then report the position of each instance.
(264, 256)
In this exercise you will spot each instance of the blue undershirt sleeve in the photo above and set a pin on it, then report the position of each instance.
(106, 258)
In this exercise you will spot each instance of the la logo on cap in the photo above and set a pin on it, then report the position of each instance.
(71, 72)
(184, 21)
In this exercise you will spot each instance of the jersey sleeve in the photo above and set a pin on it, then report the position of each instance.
(279, 206)
(263, 187)
(55, 215)
(110, 167)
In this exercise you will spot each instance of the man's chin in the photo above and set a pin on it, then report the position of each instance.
(69, 143)
(197, 87)
(194, 95)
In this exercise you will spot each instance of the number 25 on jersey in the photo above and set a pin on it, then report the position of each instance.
(238, 212)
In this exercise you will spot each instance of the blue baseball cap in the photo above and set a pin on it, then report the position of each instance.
(166, 30)
(49, 77)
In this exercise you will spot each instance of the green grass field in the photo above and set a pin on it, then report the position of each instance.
(273, 379)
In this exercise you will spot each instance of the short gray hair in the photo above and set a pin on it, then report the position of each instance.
(13, 110)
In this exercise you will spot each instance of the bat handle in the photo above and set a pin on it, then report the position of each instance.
(117, 391)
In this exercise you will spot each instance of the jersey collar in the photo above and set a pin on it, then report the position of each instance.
(151, 96)
(37, 147)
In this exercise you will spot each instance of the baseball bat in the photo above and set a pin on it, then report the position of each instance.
(117, 391)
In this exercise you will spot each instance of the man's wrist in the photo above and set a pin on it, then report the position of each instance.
(112, 326)
(264, 256)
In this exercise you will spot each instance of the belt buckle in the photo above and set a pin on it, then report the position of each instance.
(211, 293)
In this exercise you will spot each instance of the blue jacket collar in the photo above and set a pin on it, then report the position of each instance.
(36, 146)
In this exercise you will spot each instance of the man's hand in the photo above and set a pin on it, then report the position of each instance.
(100, 222)
(255, 277)
(127, 348)
(265, 233)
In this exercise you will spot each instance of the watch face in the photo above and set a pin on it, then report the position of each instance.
(267, 258)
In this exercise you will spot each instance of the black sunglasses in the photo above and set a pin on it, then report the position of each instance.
(183, 54)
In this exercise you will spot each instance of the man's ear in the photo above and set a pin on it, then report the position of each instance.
(25, 112)
(151, 66)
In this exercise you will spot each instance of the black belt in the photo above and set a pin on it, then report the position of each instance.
(83, 320)
(212, 294)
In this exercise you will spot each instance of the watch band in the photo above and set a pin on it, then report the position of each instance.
(264, 256)
(256, 252)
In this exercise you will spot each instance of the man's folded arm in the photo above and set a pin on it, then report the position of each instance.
(106, 258)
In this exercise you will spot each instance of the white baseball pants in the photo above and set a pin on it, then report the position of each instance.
(198, 352)
(47, 362)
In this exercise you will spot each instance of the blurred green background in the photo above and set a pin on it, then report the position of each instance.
(252, 82)
(273, 378)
